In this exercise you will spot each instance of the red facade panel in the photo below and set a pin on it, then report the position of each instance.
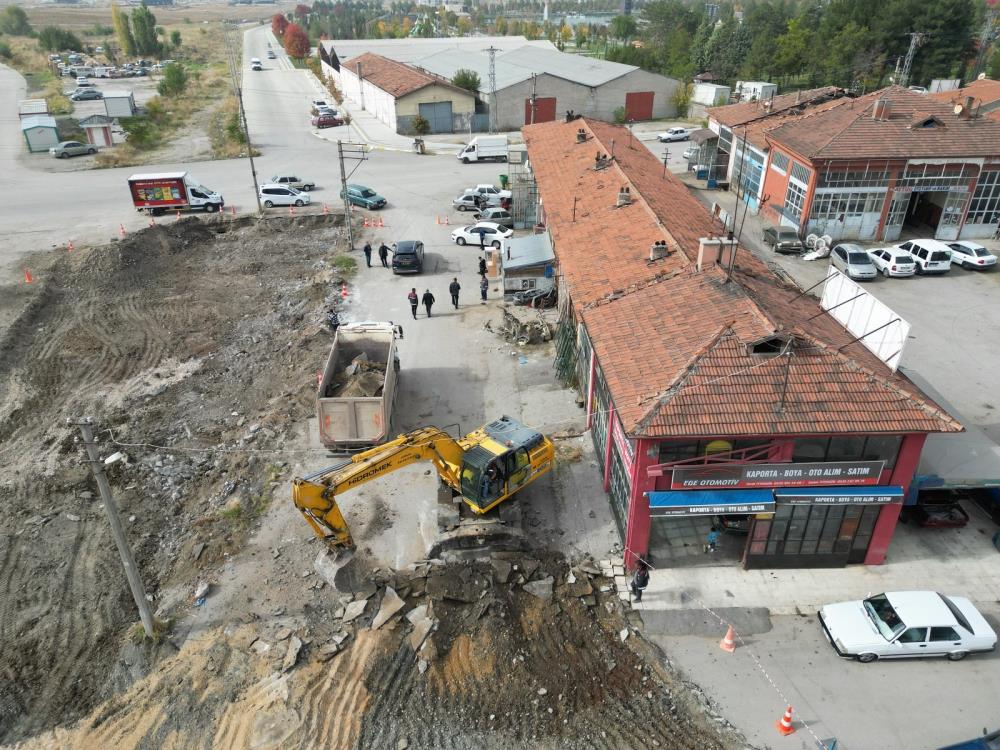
(545, 110)
(639, 105)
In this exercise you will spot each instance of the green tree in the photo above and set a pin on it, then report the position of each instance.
(54, 39)
(622, 27)
(174, 82)
(792, 52)
(664, 16)
(123, 30)
(993, 68)
(14, 21)
(5, 51)
(144, 30)
(467, 79)
(420, 126)
(175, 39)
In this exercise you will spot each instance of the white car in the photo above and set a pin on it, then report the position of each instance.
(490, 192)
(492, 234)
(891, 261)
(906, 625)
(282, 195)
(971, 255)
(674, 134)
(931, 256)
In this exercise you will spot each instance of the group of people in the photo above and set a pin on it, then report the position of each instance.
(383, 254)
(427, 299)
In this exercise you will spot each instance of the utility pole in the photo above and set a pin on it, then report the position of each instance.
(234, 72)
(666, 157)
(86, 425)
(354, 151)
(986, 36)
(493, 87)
(916, 39)
(534, 99)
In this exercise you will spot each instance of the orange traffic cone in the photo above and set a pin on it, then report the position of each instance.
(343, 291)
(784, 726)
(232, 210)
(326, 210)
(28, 278)
(446, 222)
(69, 246)
(152, 221)
(728, 643)
(121, 231)
(437, 219)
(381, 224)
(178, 213)
(291, 210)
(367, 225)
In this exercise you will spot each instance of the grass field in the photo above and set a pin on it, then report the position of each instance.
(79, 18)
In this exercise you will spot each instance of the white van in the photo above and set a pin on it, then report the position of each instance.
(255, 64)
(931, 256)
(484, 147)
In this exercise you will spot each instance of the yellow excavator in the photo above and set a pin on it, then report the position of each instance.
(485, 468)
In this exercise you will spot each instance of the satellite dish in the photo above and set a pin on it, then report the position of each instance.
(981, 76)
(958, 109)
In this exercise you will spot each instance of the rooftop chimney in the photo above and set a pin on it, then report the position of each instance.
(659, 250)
(581, 135)
(624, 197)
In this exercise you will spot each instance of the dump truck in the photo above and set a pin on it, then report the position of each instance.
(172, 191)
(358, 387)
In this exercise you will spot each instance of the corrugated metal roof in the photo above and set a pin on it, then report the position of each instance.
(410, 50)
(588, 71)
(33, 107)
(447, 62)
(117, 94)
(38, 121)
(532, 250)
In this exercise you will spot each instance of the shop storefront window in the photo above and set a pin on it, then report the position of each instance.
(619, 490)
(599, 427)
(803, 535)
(848, 448)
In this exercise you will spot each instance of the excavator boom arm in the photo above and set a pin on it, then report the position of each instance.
(315, 495)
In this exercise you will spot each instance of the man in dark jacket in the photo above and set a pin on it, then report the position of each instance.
(414, 301)
(454, 287)
(383, 254)
(428, 300)
(641, 580)
(484, 286)
(368, 254)
(482, 266)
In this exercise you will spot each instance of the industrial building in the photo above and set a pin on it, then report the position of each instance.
(534, 82)
(716, 391)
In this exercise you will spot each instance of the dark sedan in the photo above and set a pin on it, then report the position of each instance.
(782, 239)
(81, 95)
(408, 257)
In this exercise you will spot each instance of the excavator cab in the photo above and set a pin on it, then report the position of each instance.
(500, 464)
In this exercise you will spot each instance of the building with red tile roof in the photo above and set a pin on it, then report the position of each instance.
(692, 359)
(984, 92)
(397, 93)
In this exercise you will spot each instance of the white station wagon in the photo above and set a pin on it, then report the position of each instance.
(906, 625)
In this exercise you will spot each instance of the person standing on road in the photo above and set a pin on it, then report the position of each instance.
(482, 242)
(383, 254)
(712, 540)
(454, 287)
(368, 254)
(428, 300)
(482, 265)
(484, 286)
(640, 580)
(414, 301)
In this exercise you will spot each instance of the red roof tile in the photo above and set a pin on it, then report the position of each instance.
(672, 342)
(985, 90)
(393, 77)
(849, 130)
(735, 115)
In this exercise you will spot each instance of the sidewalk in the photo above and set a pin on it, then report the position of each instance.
(957, 561)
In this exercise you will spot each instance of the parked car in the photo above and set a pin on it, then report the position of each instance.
(255, 64)
(280, 195)
(291, 181)
(853, 261)
(931, 256)
(82, 95)
(492, 233)
(326, 121)
(499, 216)
(270, 54)
(937, 510)
(326, 111)
(408, 257)
(971, 255)
(691, 152)
(906, 624)
(674, 134)
(359, 195)
(891, 261)
(989, 741)
(317, 103)
(471, 202)
(489, 191)
(72, 148)
(82, 80)
(783, 239)
(85, 84)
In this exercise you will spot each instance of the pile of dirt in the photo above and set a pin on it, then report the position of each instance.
(194, 340)
(497, 653)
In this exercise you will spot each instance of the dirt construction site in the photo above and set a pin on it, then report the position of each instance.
(195, 346)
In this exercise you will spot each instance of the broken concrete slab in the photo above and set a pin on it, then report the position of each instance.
(501, 570)
(541, 588)
(292, 654)
(529, 566)
(354, 610)
(417, 613)
(450, 587)
(391, 604)
(328, 651)
(421, 629)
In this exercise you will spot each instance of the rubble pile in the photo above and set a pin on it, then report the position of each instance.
(361, 378)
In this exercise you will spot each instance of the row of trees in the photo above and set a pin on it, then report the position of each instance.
(293, 37)
(825, 41)
(138, 34)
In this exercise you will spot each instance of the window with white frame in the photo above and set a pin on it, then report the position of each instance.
(985, 205)
(834, 206)
(795, 199)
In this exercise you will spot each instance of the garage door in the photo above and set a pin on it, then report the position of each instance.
(438, 114)
(639, 105)
(545, 109)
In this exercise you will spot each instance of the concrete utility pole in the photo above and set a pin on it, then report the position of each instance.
(234, 72)
(916, 39)
(347, 200)
(86, 425)
(534, 98)
(493, 87)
